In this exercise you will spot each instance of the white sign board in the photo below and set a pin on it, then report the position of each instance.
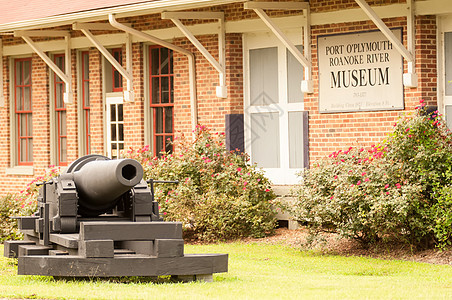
(359, 72)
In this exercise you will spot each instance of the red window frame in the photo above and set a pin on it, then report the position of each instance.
(86, 102)
(23, 134)
(161, 78)
(117, 54)
(60, 110)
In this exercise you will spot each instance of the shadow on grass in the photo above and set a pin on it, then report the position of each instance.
(135, 279)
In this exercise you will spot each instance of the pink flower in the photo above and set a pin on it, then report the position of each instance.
(164, 213)
(366, 179)
(209, 160)
(267, 190)
(359, 182)
(386, 186)
(335, 177)
(258, 179)
(408, 129)
(331, 197)
(387, 193)
(239, 169)
(398, 185)
(207, 145)
(363, 174)
(245, 183)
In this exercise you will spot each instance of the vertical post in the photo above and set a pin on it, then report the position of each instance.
(46, 216)
(128, 94)
(411, 35)
(2, 98)
(68, 94)
(46, 234)
(307, 84)
(221, 89)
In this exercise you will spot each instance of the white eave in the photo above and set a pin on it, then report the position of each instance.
(152, 7)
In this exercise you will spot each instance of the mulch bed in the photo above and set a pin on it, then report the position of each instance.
(333, 245)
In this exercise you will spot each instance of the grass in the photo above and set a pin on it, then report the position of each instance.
(256, 271)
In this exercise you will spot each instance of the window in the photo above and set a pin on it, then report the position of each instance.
(275, 120)
(117, 77)
(161, 98)
(60, 113)
(115, 126)
(85, 113)
(23, 111)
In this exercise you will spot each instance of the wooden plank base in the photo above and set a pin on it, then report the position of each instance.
(11, 248)
(123, 265)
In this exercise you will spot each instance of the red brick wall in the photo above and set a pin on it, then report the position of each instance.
(133, 111)
(211, 109)
(96, 102)
(71, 113)
(331, 132)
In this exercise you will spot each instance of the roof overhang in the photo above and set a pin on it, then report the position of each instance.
(152, 7)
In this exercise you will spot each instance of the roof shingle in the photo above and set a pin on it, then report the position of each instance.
(15, 11)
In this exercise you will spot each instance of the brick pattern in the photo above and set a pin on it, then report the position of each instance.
(133, 111)
(331, 132)
(96, 101)
(211, 109)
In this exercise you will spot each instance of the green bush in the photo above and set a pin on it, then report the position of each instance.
(395, 190)
(219, 196)
(22, 204)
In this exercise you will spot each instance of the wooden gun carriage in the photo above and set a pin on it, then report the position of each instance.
(99, 219)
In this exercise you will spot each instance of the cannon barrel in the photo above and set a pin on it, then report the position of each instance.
(100, 182)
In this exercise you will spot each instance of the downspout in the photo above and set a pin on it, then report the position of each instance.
(190, 56)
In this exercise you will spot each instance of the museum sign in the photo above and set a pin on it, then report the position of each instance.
(359, 72)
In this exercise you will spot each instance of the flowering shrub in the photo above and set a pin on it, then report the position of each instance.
(394, 190)
(22, 204)
(219, 195)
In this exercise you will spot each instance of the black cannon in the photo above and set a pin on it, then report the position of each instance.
(99, 218)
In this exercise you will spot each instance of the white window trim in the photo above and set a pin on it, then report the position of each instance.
(52, 116)
(14, 168)
(148, 140)
(112, 98)
(81, 133)
(284, 174)
(444, 25)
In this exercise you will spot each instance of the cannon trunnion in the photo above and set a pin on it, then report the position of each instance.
(99, 218)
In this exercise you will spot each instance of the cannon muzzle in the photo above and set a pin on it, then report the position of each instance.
(101, 182)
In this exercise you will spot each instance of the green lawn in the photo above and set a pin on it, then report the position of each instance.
(257, 271)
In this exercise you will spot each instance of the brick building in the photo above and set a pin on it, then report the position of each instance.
(289, 81)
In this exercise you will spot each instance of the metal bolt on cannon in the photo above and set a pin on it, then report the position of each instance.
(99, 219)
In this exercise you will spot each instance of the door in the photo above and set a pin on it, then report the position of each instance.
(115, 126)
(445, 68)
(275, 120)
